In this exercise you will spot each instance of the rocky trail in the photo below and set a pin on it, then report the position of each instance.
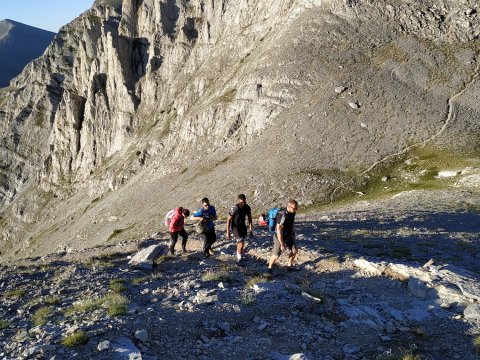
(377, 280)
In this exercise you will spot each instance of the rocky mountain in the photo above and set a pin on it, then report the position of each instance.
(19, 44)
(141, 105)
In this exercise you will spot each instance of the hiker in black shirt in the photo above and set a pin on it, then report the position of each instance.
(236, 224)
(284, 236)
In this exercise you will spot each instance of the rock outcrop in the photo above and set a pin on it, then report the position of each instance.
(144, 97)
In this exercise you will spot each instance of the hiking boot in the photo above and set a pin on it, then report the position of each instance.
(184, 250)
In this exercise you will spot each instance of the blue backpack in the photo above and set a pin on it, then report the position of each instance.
(272, 219)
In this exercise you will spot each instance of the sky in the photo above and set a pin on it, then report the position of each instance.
(44, 14)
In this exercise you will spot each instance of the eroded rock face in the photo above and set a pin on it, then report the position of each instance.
(153, 87)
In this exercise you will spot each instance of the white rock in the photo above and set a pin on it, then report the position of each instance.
(269, 287)
(103, 345)
(340, 89)
(447, 174)
(353, 105)
(472, 312)
(144, 259)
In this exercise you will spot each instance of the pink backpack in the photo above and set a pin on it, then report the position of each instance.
(168, 217)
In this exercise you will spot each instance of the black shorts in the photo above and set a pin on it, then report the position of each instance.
(289, 241)
(239, 234)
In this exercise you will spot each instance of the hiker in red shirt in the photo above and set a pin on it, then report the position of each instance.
(176, 222)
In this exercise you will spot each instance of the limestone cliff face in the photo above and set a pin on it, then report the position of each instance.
(119, 73)
(140, 89)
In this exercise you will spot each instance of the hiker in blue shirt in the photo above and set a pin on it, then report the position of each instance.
(207, 215)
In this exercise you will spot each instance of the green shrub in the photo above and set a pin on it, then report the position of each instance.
(402, 355)
(140, 280)
(15, 293)
(41, 316)
(115, 304)
(476, 343)
(256, 279)
(75, 339)
(52, 300)
(4, 324)
(83, 306)
(117, 285)
(219, 275)
(163, 258)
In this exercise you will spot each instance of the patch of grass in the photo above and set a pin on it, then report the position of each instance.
(476, 343)
(18, 293)
(51, 300)
(117, 285)
(83, 306)
(415, 170)
(218, 275)
(140, 280)
(163, 258)
(75, 339)
(419, 332)
(4, 324)
(257, 279)
(41, 316)
(119, 231)
(115, 304)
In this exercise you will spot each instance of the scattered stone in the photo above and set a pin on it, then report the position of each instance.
(447, 174)
(144, 259)
(340, 89)
(104, 345)
(269, 287)
(279, 356)
(353, 104)
(262, 326)
(126, 349)
(206, 297)
(350, 349)
(472, 312)
(142, 335)
(417, 288)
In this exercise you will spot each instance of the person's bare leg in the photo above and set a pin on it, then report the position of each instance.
(292, 256)
(272, 260)
(239, 250)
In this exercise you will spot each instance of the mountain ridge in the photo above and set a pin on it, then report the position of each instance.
(19, 44)
(299, 99)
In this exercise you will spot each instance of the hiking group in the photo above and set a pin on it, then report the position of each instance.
(280, 222)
